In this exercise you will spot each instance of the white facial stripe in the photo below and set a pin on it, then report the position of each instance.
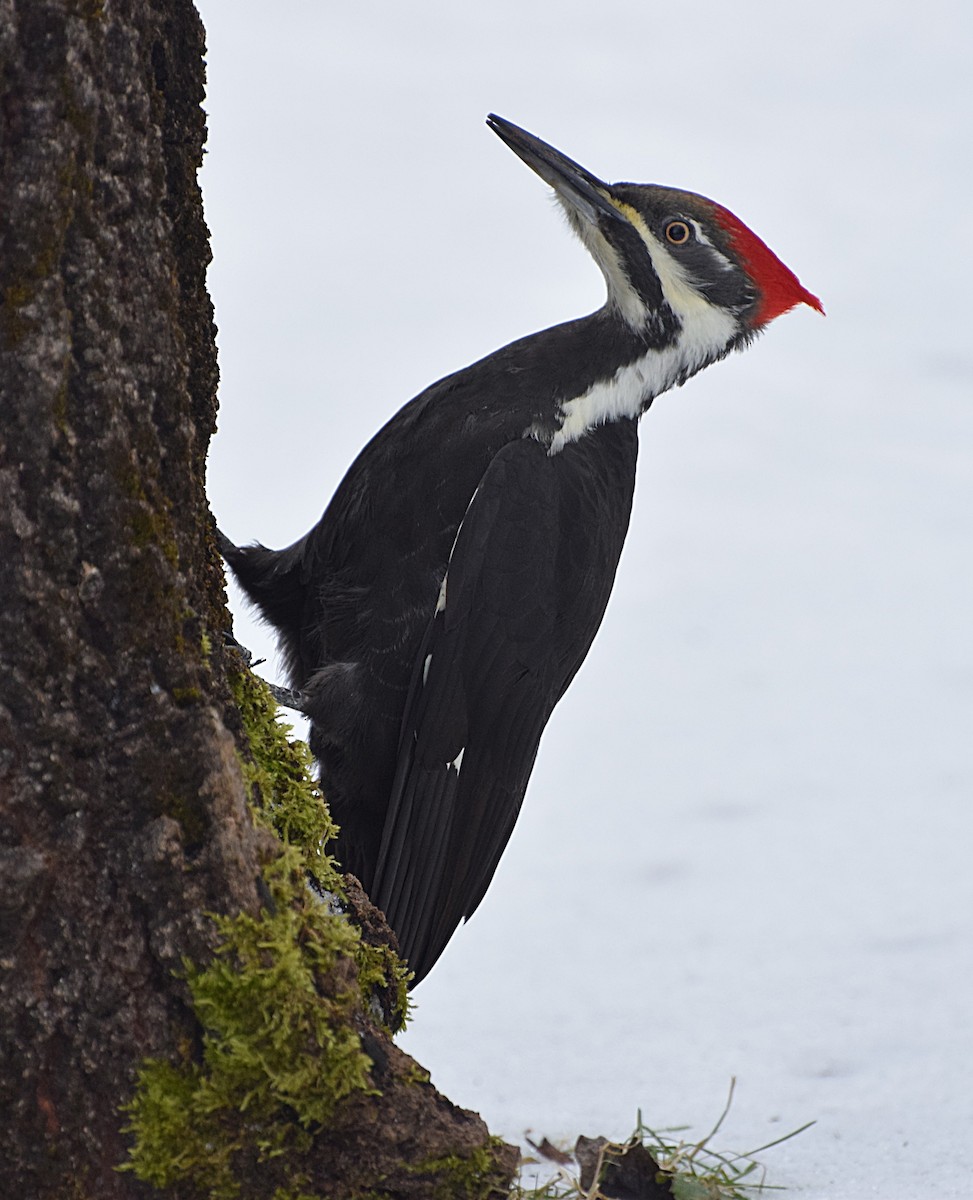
(684, 300)
(724, 262)
(701, 234)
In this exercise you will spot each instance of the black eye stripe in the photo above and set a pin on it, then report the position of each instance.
(678, 233)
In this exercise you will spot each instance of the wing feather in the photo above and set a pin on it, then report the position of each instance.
(525, 590)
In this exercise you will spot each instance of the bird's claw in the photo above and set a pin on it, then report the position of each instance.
(232, 644)
(288, 697)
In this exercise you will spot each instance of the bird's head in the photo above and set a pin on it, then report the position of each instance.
(679, 268)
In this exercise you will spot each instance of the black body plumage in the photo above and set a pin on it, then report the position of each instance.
(355, 601)
(436, 614)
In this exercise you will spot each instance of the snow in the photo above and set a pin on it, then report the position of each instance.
(746, 845)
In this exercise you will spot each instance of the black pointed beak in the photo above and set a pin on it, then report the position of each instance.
(585, 192)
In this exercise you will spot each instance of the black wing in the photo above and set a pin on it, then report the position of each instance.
(526, 587)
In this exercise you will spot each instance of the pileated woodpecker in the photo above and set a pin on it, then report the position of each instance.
(437, 612)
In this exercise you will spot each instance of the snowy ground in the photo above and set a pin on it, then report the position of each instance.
(746, 848)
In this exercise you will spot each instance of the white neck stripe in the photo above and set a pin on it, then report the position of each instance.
(632, 388)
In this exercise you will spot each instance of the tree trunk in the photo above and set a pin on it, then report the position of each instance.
(124, 819)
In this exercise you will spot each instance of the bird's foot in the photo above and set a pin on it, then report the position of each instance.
(247, 655)
(288, 697)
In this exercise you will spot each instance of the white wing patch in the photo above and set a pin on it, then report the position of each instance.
(441, 602)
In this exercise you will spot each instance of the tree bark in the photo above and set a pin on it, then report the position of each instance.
(123, 808)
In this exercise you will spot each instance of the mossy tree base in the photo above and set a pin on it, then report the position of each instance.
(297, 1088)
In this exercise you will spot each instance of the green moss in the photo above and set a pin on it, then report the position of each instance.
(475, 1177)
(416, 1074)
(279, 1049)
(280, 1046)
(279, 772)
(294, 1192)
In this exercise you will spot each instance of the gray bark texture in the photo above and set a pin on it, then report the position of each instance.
(123, 815)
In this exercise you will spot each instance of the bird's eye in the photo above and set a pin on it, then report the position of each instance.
(678, 233)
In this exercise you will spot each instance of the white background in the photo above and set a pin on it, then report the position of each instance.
(746, 847)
